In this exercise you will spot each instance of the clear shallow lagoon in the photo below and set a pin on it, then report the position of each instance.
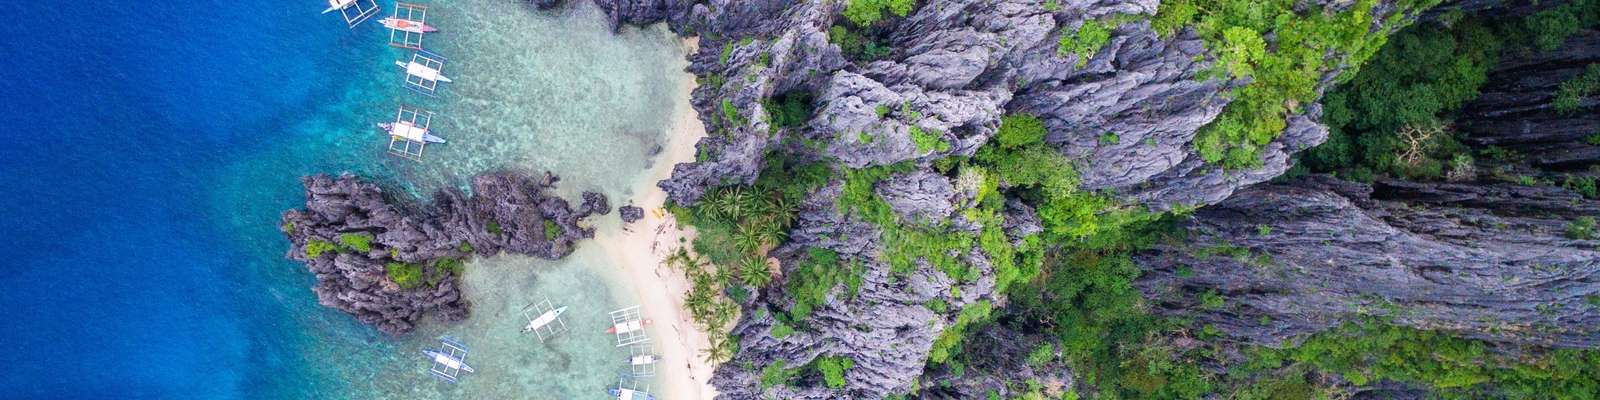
(143, 173)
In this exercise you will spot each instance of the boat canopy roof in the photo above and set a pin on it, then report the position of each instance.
(422, 71)
(408, 131)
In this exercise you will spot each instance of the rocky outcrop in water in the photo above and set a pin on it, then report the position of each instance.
(351, 233)
(630, 214)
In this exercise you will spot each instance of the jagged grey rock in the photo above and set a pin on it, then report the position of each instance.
(506, 213)
(1489, 261)
(630, 213)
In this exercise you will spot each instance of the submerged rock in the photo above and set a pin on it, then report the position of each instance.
(630, 214)
(507, 212)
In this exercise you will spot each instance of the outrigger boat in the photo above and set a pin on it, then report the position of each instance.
(354, 11)
(424, 72)
(630, 394)
(630, 388)
(421, 70)
(411, 132)
(407, 25)
(628, 326)
(336, 5)
(450, 360)
(544, 319)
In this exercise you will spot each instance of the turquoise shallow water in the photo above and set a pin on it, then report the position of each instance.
(145, 174)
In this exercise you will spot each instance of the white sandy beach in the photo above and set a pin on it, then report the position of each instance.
(638, 254)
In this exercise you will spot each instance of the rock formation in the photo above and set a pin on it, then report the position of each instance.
(1464, 257)
(507, 212)
(1494, 256)
(630, 213)
(952, 69)
(1488, 261)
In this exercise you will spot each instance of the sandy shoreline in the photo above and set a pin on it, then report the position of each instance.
(638, 255)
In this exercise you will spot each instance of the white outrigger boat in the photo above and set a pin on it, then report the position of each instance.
(410, 132)
(336, 5)
(544, 320)
(641, 361)
(449, 361)
(631, 394)
(407, 130)
(628, 324)
(629, 388)
(423, 72)
(354, 11)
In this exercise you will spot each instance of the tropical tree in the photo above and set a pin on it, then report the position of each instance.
(753, 271)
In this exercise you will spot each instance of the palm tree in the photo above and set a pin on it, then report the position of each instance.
(753, 271)
(781, 209)
(773, 234)
(719, 350)
(747, 237)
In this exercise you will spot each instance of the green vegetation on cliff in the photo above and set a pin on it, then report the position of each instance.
(1282, 75)
(1395, 117)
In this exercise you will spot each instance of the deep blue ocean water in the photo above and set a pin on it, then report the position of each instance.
(128, 273)
(149, 148)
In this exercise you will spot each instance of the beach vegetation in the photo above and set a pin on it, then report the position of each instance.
(755, 272)
(706, 302)
(287, 228)
(464, 247)
(359, 242)
(317, 247)
(493, 228)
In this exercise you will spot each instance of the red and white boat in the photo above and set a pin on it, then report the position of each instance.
(628, 326)
(407, 25)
